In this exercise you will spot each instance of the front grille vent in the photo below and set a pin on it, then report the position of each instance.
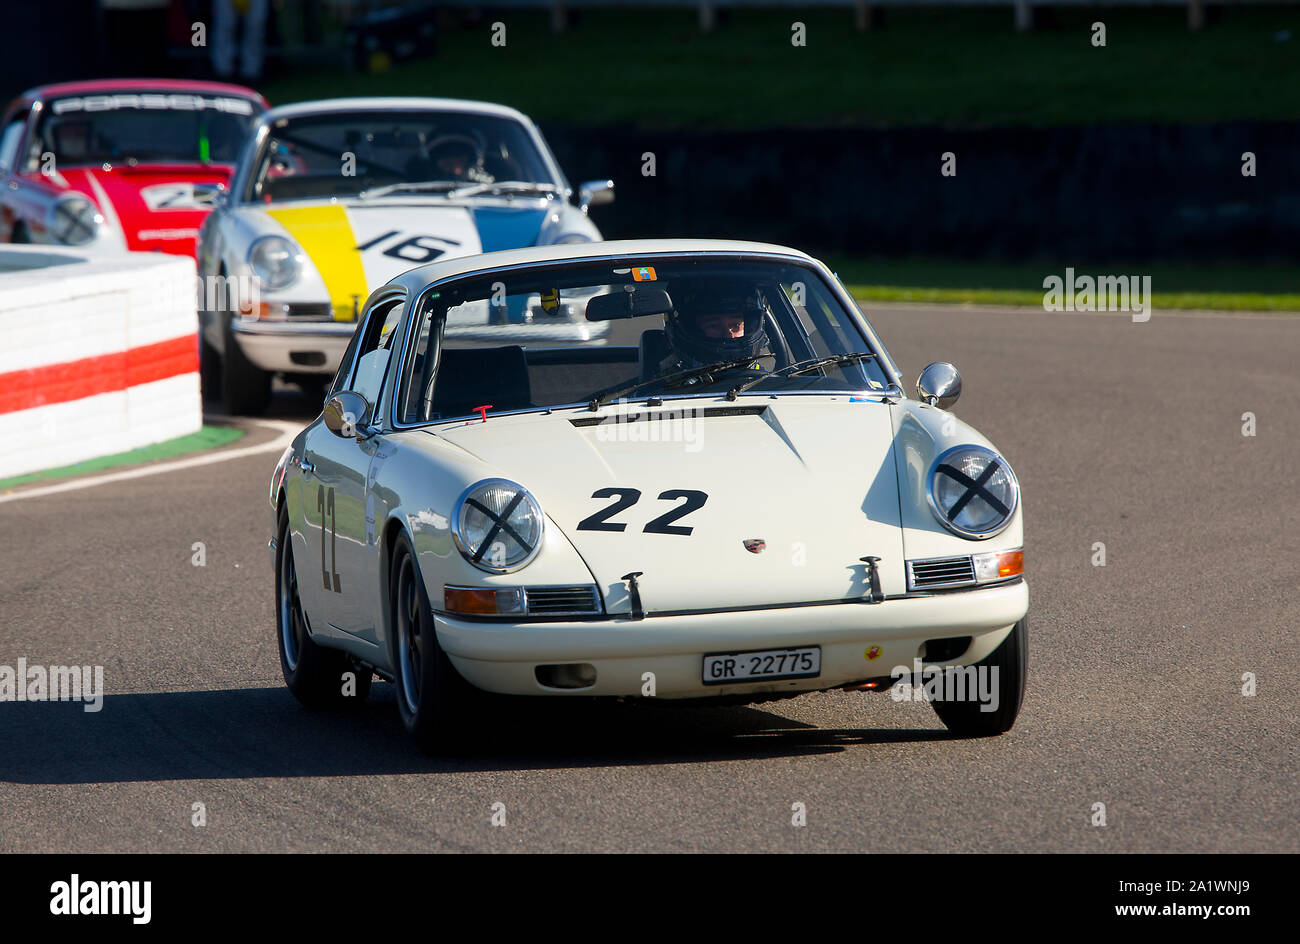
(940, 572)
(310, 311)
(561, 601)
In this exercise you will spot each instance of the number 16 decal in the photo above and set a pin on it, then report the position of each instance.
(325, 505)
(691, 499)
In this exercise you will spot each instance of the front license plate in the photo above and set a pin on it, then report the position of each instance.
(763, 665)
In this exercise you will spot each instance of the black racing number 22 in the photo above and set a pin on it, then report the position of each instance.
(691, 499)
(325, 505)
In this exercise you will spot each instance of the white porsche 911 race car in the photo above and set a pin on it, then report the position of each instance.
(331, 199)
(733, 497)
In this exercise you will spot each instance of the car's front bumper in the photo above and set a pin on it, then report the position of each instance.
(858, 641)
(313, 347)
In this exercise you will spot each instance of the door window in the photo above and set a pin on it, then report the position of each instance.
(9, 141)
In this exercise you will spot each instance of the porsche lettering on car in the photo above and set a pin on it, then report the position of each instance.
(732, 497)
(116, 165)
(334, 198)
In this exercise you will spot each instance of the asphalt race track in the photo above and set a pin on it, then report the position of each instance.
(1129, 434)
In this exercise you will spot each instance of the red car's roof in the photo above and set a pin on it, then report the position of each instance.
(100, 86)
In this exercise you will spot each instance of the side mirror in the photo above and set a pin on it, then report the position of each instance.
(595, 193)
(347, 414)
(939, 385)
(209, 195)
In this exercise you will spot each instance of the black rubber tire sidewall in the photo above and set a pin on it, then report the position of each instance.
(437, 723)
(245, 387)
(210, 370)
(317, 680)
(965, 719)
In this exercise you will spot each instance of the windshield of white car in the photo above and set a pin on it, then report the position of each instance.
(585, 334)
(375, 153)
(142, 129)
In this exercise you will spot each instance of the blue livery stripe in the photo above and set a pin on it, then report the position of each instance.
(501, 228)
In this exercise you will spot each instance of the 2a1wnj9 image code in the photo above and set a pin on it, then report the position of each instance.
(1192, 886)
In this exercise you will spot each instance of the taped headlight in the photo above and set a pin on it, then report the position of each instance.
(276, 261)
(973, 492)
(74, 220)
(498, 526)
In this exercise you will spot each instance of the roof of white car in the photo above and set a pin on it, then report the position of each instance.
(417, 278)
(388, 103)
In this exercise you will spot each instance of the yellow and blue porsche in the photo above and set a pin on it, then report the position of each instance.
(332, 199)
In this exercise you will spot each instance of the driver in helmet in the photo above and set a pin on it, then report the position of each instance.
(716, 322)
(457, 157)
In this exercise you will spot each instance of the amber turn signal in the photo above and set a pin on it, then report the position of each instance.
(478, 601)
(1000, 565)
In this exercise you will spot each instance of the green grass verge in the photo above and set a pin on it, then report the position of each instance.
(1173, 285)
(958, 68)
(209, 437)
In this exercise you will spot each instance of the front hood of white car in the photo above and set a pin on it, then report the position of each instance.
(812, 478)
(355, 246)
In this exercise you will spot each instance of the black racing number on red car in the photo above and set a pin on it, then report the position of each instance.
(627, 497)
(325, 505)
(664, 523)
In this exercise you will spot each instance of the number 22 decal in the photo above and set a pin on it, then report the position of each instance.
(627, 497)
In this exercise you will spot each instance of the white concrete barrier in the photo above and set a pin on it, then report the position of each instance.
(97, 355)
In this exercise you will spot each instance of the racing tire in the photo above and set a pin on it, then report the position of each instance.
(209, 370)
(245, 387)
(432, 697)
(312, 672)
(1011, 658)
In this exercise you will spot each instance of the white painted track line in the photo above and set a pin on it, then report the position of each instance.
(287, 431)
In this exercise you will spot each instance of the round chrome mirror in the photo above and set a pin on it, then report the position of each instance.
(939, 385)
(346, 414)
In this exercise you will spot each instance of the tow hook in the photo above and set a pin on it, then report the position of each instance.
(634, 594)
(873, 575)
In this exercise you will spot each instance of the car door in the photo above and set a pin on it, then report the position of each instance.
(339, 522)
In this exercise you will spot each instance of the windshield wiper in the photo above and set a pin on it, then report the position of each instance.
(432, 186)
(454, 189)
(503, 186)
(674, 379)
(801, 367)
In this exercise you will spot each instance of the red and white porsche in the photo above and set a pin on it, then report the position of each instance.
(113, 165)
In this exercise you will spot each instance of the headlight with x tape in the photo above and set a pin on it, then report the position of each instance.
(498, 526)
(973, 492)
(74, 221)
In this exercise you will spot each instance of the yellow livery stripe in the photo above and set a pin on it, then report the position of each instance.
(326, 236)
